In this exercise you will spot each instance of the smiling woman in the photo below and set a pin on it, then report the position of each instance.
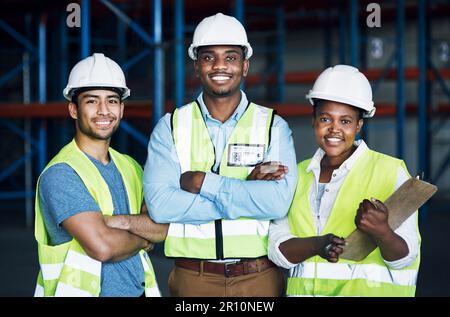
(336, 126)
(332, 200)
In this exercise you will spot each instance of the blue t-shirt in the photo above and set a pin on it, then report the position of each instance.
(63, 194)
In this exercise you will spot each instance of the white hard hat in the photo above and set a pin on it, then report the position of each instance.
(96, 71)
(219, 29)
(346, 84)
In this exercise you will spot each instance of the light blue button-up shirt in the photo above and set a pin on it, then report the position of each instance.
(220, 197)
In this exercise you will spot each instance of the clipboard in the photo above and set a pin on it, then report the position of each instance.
(401, 204)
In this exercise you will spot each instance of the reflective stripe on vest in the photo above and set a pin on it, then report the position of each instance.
(373, 175)
(66, 270)
(242, 238)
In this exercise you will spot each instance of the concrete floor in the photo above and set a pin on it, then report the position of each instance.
(18, 267)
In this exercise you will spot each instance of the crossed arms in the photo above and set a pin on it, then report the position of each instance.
(197, 197)
(114, 238)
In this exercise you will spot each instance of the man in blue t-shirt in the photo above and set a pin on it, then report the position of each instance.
(96, 90)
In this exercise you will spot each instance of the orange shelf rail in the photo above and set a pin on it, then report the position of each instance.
(308, 77)
(143, 110)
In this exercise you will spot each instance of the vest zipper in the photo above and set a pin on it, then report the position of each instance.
(219, 239)
(318, 223)
(316, 258)
(218, 222)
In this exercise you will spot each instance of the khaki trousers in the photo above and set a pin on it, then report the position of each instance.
(188, 283)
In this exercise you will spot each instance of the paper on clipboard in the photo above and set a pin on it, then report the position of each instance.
(401, 204)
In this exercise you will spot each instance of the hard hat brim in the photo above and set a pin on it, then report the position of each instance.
(70, 91)
(369, 109)
(248, 51)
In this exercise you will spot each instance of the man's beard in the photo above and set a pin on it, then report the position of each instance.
(85, 129)
(224, 92)
(221, 92)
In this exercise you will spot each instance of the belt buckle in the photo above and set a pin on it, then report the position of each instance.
(227, 271)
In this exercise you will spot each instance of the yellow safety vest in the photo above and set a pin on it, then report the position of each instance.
(65, 269)
(373, 175)
(222, 239)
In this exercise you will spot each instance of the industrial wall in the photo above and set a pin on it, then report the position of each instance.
(293, 42)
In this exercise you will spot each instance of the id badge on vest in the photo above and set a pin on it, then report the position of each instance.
(245, 155)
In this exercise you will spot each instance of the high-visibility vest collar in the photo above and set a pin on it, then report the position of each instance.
(66, 270)
(241, 238)
(373, 175)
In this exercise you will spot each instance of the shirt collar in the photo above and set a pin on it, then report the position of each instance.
(314, 165)
(238, 112)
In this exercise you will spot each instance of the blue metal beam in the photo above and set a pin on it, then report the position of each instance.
(17, 36)
(158, 68)
(342, 36)
(280, 53)
(355, 59)
(15, 71)
(328, 52)
(179, 53)
(122, 139)
(422, 94)
(14, 166)
(401, 113)
(441, 169)
(136, 134)
(354, 33)
(26, 97)
(42, 58)
(42, 157)
(85, 28)
(20, 132)
(422, 85)
(239, 13)
(121, 41)
(64, 136)
(63, 70)
(440, 79)
(135, 59)
(386, 68)
(133, 25)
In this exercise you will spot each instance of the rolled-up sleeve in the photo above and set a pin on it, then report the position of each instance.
(279, 232)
